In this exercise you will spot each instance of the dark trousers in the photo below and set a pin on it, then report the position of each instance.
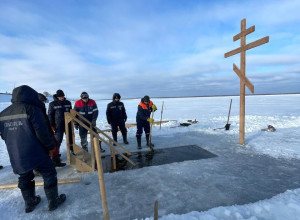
(115, 125)
(83, 136)
(142, 124)
(59, 134)
(47, 171)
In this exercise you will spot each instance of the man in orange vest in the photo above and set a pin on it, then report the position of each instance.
(143, 120)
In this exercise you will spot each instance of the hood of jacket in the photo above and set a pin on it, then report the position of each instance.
(27, 95)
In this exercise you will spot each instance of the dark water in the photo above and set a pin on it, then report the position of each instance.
(160, 157)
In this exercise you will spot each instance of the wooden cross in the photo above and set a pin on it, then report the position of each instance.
(242, 72)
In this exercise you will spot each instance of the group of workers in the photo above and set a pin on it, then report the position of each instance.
(33, 138)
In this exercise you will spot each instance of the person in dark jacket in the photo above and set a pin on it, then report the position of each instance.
(56, 114)
(1, 167)
(143, 120)
(54, 153)
(28, 141)
(116, 116)
(87, 108)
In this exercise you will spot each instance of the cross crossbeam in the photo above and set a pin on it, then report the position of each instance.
(256, 43)
(243, 78)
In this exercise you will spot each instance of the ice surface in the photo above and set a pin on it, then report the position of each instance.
(258, 181)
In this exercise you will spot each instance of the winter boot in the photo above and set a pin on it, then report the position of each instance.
(139, 141)
(115, 137)
(84, 147)
(57, 162)
(53, 199)
(147, 139)
(102, 150)
(125, 138)
(31, 200)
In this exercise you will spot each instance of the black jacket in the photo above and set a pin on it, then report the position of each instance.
(23, 128)
(56, 112)
(116, 112)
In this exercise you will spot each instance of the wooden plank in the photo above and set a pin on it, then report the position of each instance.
(244, 33)
(41, 183)
(80, 165)
(129, 125)
(243, 78)
(112, 141)
(247, 47)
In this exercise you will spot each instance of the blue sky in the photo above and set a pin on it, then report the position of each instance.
(159, 48)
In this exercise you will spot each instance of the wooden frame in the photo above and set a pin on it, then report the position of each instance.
(82, 160)
(242, 72)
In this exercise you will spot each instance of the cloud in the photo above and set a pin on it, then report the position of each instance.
(160, 48)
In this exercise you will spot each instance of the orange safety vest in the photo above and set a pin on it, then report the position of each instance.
(144, 106)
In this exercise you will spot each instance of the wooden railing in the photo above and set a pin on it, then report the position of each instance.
(81, 159)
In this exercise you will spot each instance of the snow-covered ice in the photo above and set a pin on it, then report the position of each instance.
(260, 180)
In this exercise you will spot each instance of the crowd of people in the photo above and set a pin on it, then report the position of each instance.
(33, 137)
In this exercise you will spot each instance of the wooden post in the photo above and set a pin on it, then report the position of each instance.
(151, 131)
(162, 110)
(156, 210)
(68, 120)
(242, 71)
(101, 179)
(242, 85)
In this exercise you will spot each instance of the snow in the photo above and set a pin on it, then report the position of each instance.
(260, 180)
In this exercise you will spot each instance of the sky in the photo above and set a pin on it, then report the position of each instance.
(159, 48)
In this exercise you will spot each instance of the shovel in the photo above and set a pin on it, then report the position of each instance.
(227, 126)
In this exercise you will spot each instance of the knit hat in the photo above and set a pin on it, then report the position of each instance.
(146, 98)
(60, 93)
(116, 95)
(84, 95)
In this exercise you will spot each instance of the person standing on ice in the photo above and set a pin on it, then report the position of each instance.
(116, 116)
(143, 120)
(56, 114)
(54, 153)
(87, 108)
(28, 142)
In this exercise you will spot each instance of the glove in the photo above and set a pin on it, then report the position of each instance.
(151, 120)
(54, 151)
(76, 126)
(52, 128)
(93, 122)
(154, 108)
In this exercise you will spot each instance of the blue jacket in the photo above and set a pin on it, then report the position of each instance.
(56, 112)
(24, 130)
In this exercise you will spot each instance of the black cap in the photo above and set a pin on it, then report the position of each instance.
(84, 95)
(146, 98)
(116, 95)
(60, 93)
